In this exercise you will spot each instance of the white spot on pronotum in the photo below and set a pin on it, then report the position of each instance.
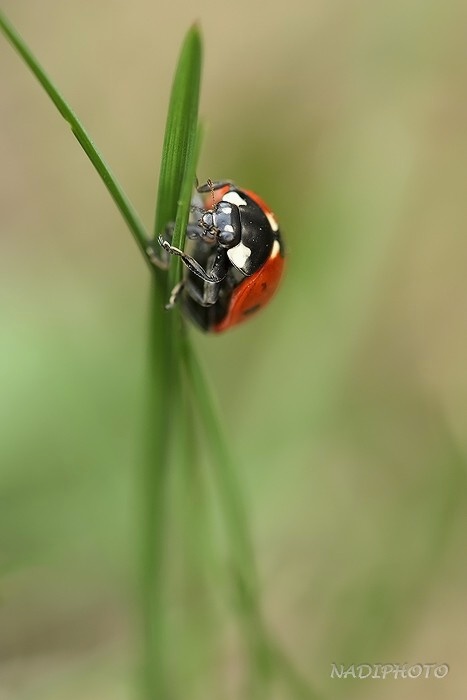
(234, 198)
(228, 228)
(273, 221)
(275, 249)
(239, 255)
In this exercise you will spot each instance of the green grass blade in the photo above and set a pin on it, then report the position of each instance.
(116, 192)
(184, 204)
(229, 491)
(180, 132)
(173, 204)
(243, 570)
(154, 476)
(267, 661)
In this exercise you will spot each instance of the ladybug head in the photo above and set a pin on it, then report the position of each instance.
(224, 221)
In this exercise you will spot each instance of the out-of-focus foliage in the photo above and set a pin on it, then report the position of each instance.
(345, 400)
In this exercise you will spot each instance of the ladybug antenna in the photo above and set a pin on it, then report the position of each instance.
(195, 208)
(210, 184)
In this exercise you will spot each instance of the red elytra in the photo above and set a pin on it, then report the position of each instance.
(252, 293)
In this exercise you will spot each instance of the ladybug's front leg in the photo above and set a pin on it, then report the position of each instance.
(219, 268)
(162, 261)
(207, 297)
(175, 295)
(208, 294)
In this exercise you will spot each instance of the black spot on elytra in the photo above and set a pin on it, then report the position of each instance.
(264, 286)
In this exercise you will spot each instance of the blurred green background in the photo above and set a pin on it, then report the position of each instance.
(345, 400)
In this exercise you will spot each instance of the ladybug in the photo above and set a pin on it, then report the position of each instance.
(234, 258)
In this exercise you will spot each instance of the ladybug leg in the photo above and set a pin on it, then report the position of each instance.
(175, 294)
(207, 296)
(219, 268)
(162, 259)
(157, 257)
(187, 260)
